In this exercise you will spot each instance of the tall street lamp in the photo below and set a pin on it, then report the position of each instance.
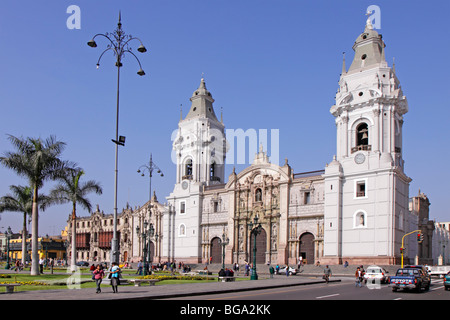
(255, 229)
(119, 44)
(8, 239)
(147, 232)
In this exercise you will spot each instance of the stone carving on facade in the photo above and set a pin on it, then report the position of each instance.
(274, 237)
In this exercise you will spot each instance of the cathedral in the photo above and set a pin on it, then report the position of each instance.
(355, 209)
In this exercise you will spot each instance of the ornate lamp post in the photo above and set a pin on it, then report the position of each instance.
(8, 238)
(147, 232)
(255, 229)
(119, 44)
(224, 242)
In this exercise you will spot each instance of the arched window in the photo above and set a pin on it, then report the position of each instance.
(362, 135)
(182, 230)
(188, 169)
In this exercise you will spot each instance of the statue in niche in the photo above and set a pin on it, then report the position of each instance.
(361, 220)
(258, 195)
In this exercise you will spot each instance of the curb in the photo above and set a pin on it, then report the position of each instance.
(184, 294)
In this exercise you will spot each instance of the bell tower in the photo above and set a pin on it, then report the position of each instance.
(366, 189)
(199, 149)
(200, 144)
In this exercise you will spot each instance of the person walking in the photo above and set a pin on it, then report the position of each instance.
(247, 269)
(139, 268)
(41, 265)
(115, 273)
(327, 273)
(98, 276)
(358, 277)
(300, 262)
(271, 271)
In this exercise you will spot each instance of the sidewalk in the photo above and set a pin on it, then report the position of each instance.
(145, 292)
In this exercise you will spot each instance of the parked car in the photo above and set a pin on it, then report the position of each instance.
(82, 264)
(410, 278)
(447, 281)
(376, 273)
(292, 271)
(439, 271)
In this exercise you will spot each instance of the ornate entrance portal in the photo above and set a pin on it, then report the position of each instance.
(216, 251)
(306, 248)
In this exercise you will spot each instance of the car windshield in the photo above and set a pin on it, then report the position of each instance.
(374, 270)
(407, 272)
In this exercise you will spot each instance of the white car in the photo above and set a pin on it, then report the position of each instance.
(292, 271)
(374, 273)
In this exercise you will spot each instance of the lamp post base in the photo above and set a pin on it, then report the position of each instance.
(253, 275)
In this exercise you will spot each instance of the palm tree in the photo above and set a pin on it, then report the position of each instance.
(21, 200)
(37, 160)
(71, 190)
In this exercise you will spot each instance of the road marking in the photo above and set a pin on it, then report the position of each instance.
(437, 288)
(330, 295)
(254, 294)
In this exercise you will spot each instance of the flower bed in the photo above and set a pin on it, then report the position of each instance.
(173, 277)
(26, 283)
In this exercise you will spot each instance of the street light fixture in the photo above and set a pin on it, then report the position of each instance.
(119, 44)
(255, 229)
(150, 167)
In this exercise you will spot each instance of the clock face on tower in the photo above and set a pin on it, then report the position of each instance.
(360, 158)
(184, 185)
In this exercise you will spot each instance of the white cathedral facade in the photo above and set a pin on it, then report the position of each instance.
(356, 209)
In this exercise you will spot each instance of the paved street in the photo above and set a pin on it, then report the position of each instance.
(343, 290)
(266, 297)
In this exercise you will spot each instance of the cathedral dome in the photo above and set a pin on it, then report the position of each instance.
(369, 49)
(202, 103)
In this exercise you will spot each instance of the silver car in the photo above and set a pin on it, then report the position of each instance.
(376, 273)
(292, 271)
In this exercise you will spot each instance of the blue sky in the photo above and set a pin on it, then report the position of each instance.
(268, 64)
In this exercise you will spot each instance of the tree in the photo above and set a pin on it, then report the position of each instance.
(71, 190)
(21, 200)
(37, 160)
